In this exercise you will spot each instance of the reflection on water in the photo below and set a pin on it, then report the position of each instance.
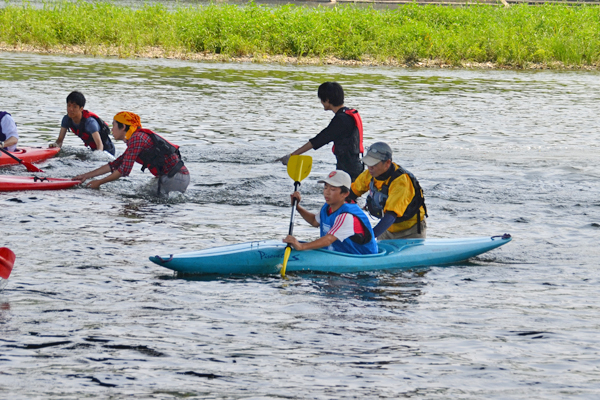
(495, 151)
(397, 289)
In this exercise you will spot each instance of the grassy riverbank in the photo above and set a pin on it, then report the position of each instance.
(519, 36)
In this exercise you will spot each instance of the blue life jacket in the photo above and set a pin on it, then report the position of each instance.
(349, 245)
(2, 135)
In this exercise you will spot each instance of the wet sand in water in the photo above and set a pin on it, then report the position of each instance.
(157, 52)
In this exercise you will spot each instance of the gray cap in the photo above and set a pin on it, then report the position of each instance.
(338, 178)
(376, 153)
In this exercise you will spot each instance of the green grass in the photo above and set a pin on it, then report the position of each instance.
(514, 36)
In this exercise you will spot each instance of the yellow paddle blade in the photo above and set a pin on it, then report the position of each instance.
(286, 256)
(298, 167)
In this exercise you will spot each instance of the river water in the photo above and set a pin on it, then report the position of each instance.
(86, 315)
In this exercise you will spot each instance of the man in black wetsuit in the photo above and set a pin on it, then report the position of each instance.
(344, 130)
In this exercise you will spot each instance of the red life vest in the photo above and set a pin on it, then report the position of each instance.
(155, 158)
(87, 138)
(358, 121)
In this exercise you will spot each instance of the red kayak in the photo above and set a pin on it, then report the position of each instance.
(11, 183)
(28, 154)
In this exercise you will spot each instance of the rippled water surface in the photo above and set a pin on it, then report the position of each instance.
(86, 315)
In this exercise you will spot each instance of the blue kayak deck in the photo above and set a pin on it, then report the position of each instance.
(265, 257)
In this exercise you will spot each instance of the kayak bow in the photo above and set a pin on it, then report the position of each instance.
(7, 260)
(12, 183)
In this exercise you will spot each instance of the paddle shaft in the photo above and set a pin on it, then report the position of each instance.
(298, 168)
(17, 159)
(30, 167)
(288, 248)
(296, 184)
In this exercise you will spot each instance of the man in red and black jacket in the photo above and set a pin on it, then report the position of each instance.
(145, 147)
(345, 131)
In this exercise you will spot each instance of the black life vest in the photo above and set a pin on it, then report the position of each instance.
(377, 198)
(2, 135)
(354, 144)
(155, 157)
(87, 137)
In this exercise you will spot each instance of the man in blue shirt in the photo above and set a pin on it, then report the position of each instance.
(88, 126)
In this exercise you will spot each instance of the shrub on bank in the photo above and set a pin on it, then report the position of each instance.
(507, 36)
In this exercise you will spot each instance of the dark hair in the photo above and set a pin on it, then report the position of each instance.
(332, 92)
(77, 98)
(123, 126)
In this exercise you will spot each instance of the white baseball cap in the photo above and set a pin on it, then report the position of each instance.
(338, 178)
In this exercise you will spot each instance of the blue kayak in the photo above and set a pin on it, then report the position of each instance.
(265, 257)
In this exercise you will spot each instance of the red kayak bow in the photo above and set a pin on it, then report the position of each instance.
(7, 260)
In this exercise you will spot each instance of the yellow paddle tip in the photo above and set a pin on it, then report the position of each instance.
(299, 167)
